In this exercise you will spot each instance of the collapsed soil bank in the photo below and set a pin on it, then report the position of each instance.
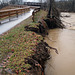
(41, 52)
(31, 51)
(20, 43)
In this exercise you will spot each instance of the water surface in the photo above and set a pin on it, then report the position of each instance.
(64, 62)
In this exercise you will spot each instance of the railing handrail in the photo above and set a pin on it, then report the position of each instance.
(2, 11)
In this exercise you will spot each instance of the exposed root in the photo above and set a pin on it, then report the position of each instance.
(39, 30)
(41, 55)
(51, 47)
(27, 28)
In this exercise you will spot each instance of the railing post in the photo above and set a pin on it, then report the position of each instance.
(24, 11)
(9, 15)
(17, 13)
(21, 12)
(0, 20)
(33, 16)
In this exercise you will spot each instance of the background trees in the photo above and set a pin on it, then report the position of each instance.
(16, 2)
(3, 3)
(66, 5)
(63, 5)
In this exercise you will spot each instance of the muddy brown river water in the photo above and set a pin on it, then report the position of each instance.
(64, 40)
(64, 62)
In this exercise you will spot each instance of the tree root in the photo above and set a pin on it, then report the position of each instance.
(41, 55)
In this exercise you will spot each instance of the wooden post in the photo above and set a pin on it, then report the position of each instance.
(21, 12)
(0, 20)
(24, 11)
(9, 15)
(33, 16)
(17, 13)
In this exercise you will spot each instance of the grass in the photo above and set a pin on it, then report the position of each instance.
(20, 43)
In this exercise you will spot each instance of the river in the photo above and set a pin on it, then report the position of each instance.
(64, 40)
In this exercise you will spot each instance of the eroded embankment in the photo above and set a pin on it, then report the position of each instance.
(20, 45)
(42, 50)
(29, 51)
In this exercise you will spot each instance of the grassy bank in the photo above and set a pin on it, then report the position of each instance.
(19, 44)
